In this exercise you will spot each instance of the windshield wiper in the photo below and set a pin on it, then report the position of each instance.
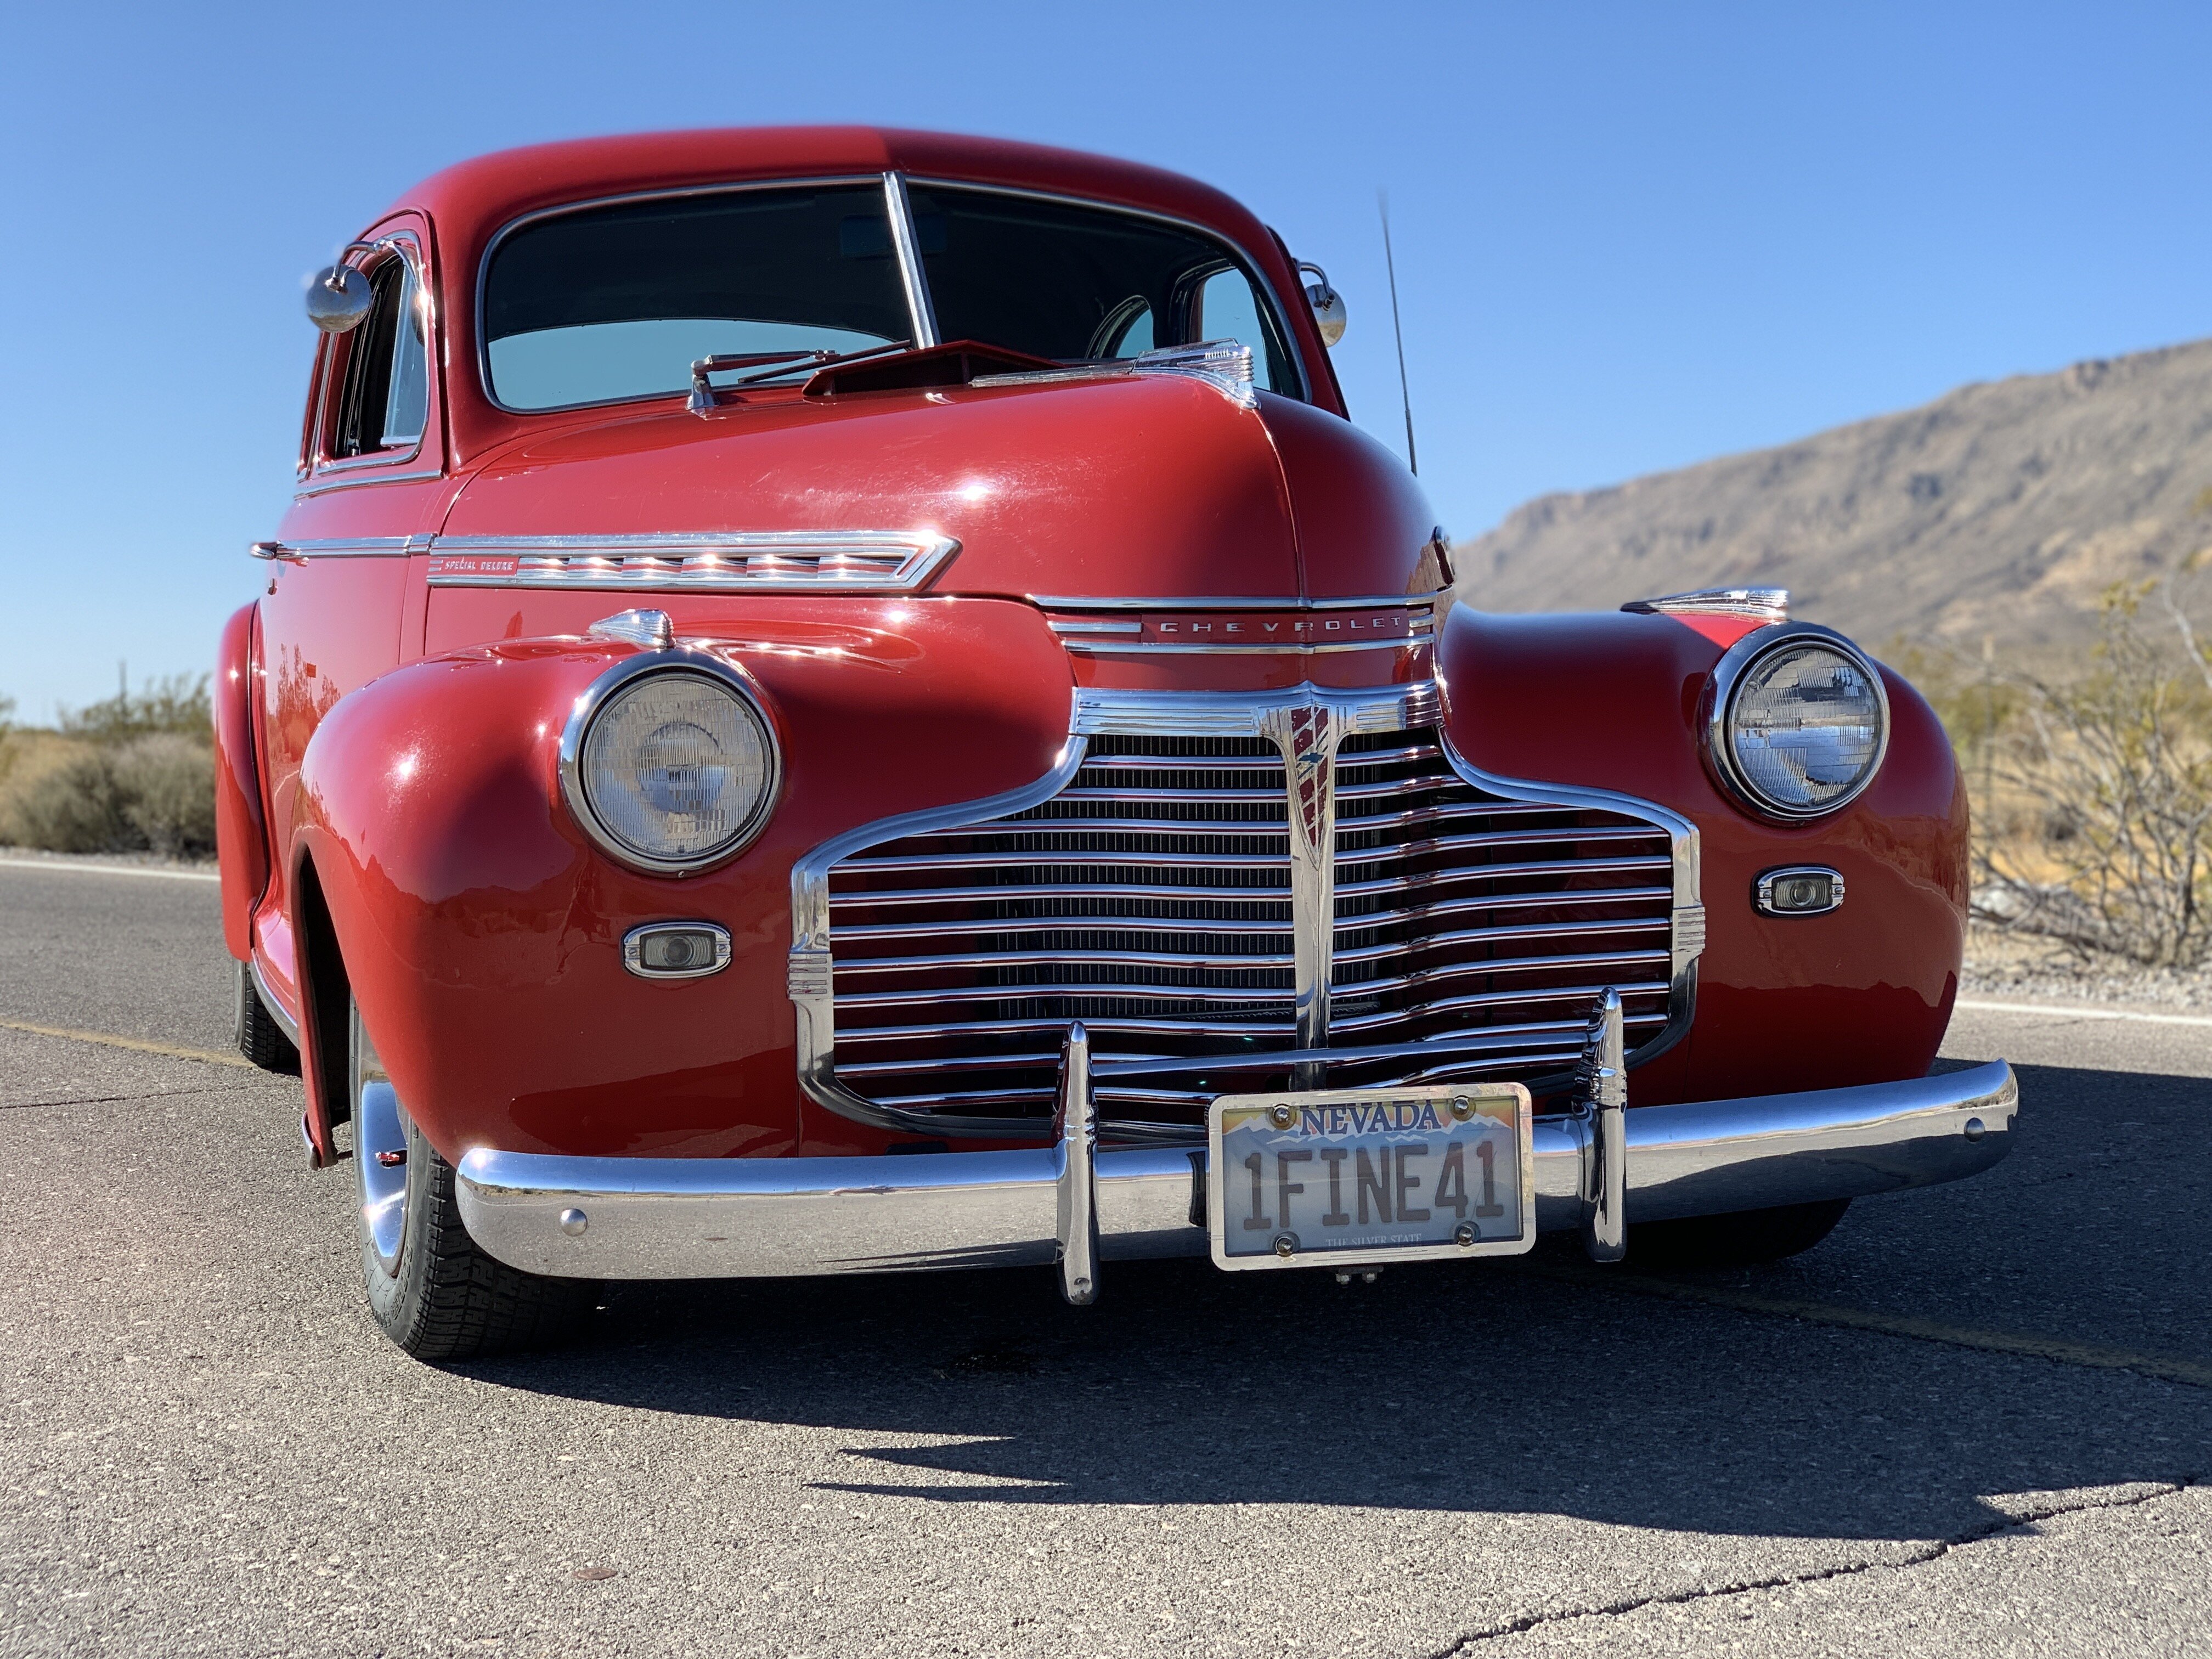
(702, 393)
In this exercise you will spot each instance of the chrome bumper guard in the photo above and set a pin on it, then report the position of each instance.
(1598, 1170)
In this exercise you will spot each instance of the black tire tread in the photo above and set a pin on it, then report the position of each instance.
(260, 1038)
(466, 1304)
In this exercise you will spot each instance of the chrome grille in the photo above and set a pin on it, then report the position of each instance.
(1461, 914)
(1147, 891)
(1149, 899)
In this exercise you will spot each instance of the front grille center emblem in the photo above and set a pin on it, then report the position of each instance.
(1307, 734)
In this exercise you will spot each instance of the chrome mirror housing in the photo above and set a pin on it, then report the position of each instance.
(1328, 303)
(338, 297)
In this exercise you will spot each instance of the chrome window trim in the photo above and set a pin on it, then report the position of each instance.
(560, 208)
(1763, 890)
(326, 471)
(326, 485)
(633, 950)
(681, 658)
(1253, 268)
(1307, 722)
(912, 276)
(1720, 696)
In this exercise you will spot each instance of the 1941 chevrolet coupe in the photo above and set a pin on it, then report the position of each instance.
(843, 701)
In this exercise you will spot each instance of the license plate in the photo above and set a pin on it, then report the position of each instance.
(1353, 1177)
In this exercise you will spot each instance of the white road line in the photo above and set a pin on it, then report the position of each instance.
(2061, 1011)
(107, 869)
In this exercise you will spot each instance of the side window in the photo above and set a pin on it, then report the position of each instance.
(1226, 308)
(387, 396)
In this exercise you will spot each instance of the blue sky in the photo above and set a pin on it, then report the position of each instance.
(1629, 236)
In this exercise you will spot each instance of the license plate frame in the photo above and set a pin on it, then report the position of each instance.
(1365, 1121)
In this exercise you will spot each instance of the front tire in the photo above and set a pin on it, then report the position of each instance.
(434, 1292)
(1747, 1239)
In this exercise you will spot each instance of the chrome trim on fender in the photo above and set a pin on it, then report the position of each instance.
(742, 562)
(772, 1216)
(340, 547)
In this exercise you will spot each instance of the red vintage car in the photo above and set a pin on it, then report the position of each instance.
(842, 701)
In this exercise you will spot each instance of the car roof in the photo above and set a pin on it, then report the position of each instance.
(470, 201)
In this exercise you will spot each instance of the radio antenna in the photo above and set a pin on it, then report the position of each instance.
(1405, 393)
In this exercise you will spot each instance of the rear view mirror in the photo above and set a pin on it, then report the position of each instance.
(1328, 303)
(338, 298)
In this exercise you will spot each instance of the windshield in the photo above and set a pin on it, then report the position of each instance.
(1057, 279)
(606, 304)
(615, 302)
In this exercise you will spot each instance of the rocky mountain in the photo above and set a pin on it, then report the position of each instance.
(2000, 510)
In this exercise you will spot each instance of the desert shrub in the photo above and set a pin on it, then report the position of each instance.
(165, 784)
(132, 773)
(70, 804)
(2092, 794)
(177, 704)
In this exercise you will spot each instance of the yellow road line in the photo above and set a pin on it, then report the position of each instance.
(2165, 1367)
(135, 1044)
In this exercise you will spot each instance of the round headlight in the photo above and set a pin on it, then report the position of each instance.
(1802, 722)
(672, 769)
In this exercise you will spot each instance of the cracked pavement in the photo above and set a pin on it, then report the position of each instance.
(211, 1448)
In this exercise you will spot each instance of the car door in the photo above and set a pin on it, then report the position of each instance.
(341, 584)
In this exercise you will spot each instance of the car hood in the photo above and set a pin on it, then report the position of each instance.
(1136, 486)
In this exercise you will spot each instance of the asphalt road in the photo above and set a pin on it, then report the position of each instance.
(1977, 1419)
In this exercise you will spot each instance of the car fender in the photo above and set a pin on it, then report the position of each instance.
(241, 835)
(481, 928)
(1616, 701)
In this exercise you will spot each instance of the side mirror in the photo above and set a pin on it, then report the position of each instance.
(1328, 303)
(339, 296)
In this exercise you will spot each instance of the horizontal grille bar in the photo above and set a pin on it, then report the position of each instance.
(1202, 963)
(1037, 860)
(1063, 925)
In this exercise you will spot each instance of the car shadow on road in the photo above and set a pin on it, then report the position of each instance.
(1498, 1390)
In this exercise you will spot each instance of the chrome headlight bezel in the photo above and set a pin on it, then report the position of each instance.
(1727, 682)
(593, 702)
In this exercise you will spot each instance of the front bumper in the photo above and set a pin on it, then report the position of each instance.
(625, 1217)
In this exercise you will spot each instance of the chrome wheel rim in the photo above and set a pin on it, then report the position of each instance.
(379, 1148)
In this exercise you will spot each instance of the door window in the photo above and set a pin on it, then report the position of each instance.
(387, 396)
